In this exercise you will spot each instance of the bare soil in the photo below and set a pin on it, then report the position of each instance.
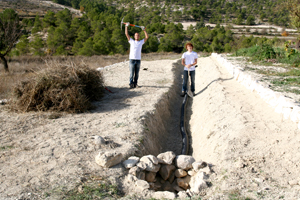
(252, 150)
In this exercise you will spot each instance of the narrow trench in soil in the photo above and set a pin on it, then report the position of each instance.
(162, 131)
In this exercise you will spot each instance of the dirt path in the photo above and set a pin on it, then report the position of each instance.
(254, 152)
(42, 155)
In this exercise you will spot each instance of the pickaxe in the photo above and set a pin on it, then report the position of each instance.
(129, 24)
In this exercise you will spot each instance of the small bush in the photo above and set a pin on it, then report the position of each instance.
(259, 52)
(59, 87)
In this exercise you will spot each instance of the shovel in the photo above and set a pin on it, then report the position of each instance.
(122, 22)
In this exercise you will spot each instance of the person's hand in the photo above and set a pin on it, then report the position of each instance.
(127, 24)
(142, 27)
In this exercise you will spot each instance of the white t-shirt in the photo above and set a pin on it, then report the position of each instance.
(189, 58)
(135, 49)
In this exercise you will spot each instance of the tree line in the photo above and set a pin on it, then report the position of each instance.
(98, 31)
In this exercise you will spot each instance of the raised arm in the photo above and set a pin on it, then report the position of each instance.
(146, 35)
(126, 33)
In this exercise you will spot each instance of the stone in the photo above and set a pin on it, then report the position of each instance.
(180, 173)
(131, 179)
(148, 163)
(3, 101)
(155, 186)
(134, 170)
(171, 177)
(166, 170)
(182, 195)
(80, 189)
(167, 186)
(150, 176)
(189, 193)
(192, 172)
(142, 165)
(141, 175)
(293, 182)
(206, 170)
(198, 183)
(164, 195)
(108, 159)
(176, 187)
(98, 140)
(137, 172)
(152, 158)
(141, 185)
(199, 165)
(184, 162)
(167, 157)
(131, 162)
(184, 182)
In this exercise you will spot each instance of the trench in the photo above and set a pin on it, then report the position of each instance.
(167, 129)
(163, 130)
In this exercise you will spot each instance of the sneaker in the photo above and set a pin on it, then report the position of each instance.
(194, 94)
(136, 86)
(131, 85)
(182, 94)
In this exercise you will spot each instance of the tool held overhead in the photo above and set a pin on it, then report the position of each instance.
(122, 22)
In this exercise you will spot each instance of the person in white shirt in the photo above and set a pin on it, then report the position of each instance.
(135, 55)
(189, 61)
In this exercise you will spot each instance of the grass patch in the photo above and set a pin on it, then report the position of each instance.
(94, 191)
(235, 195)
(3, 148)
(288, 81)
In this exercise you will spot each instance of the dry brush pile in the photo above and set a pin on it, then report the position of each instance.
(65, 87)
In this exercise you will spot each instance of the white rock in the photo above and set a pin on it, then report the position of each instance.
(182, 195)
(3, 101)
(130, 162)
(131, 179)
(141, 185)
(98, 140)
(198, 183)
(192, 172)
(152, 158)
(293, 182)
(199, 165)
(184, 162)
(142, 165)
(164, 195)
(166, 157)
(148, 163)
(108, 159)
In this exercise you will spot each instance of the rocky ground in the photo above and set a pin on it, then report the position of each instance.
(252, 151)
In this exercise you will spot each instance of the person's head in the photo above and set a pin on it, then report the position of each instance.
(189, 46)
(137, 36)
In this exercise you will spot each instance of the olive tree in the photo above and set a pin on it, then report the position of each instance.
(10, 32)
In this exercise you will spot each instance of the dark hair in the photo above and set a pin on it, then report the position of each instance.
(189, 44)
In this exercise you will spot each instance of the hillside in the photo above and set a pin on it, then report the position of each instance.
(93, 27)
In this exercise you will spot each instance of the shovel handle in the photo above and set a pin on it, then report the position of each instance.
(133, 25)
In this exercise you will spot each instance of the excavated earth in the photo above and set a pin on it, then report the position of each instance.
(253, 151)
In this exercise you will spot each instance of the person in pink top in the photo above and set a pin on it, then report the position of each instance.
(135, 55)
(189, 61)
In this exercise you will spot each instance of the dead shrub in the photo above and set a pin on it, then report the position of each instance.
(59, 87)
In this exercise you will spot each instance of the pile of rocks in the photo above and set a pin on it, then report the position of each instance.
(178, 176)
